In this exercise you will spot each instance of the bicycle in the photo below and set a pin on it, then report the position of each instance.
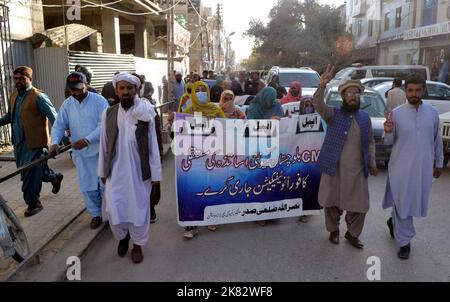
(12, 236)
(13, 239)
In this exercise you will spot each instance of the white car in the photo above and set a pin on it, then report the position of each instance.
(309, 78)
(437, 94)
(445, 132)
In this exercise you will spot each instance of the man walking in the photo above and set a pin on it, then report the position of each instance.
(129, 164)
(396, 96)
(29, 113)
(81, 113)
(346, 159)
(416, 157)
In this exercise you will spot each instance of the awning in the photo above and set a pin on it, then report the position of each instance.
(57, 35)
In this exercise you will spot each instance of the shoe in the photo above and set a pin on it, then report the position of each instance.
(354, 241)
(57, 183)
(153, 217)
(212, 228)
(136, 254)
(391, 227)
(96, 222)
(33, 210)
(304, 218)
(404, 251)
(190, 233)
(262, 222)
(123, 246)
(334, 237)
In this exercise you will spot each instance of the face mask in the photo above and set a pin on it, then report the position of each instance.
(202, 97)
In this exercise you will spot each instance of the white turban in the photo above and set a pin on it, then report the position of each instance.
(125, 76)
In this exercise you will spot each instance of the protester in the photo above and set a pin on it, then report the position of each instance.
(29, 112)
(185, 100)
(275, 83)
(228, 107)
(417, 156)
(129, 163)
(395, 97)
(147, 89)
(255, 84)
(81, 113)
(346, 158)
(306, 105)
(178, 88)
(109, 93)
(201, 103)
(265, 105)
(294, 94)
(216, 90)
(204, 75)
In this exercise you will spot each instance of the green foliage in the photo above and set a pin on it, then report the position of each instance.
(297, 34)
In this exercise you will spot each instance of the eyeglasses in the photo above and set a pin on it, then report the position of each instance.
(19, 79)
(227, 99)
(350, 94)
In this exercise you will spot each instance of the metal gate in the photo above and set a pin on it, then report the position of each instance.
(6, 70)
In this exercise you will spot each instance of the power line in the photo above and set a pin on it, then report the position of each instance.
(197, 12)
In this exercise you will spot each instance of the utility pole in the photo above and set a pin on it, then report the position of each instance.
(170, 52)
(219, 25)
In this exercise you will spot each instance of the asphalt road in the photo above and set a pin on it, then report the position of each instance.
(283, 250)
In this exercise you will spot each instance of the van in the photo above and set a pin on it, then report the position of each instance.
(393, 71)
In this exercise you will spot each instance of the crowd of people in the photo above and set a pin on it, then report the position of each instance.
(117, 147)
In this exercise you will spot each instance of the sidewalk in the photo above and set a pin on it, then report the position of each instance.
(59, 209)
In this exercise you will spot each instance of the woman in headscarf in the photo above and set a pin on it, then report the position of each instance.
(275, 83)
(185, 100)
(265, 105)
(201, 101)
(228, 107)
(306, 105)
(294, 93)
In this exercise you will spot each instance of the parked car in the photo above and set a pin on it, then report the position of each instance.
(371, 82)
(372, 103)
(445, 132)
(437, 94)
(361, 72)
(309, 78)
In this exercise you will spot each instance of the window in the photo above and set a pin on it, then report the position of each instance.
(371, 103)
(429, 15)
(309, 80)
(370, 28)
(437, 92)
(396, 59)
(398, 17)
(386, 22)
(358, 74)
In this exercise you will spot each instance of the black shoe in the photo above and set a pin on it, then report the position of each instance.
(136, 254)
(354, 241)
(334, 237)
(96, 222)
(153, 217)
(122, 249)
(57, 183)
(391, 227)
(404, 251)
(33, 210)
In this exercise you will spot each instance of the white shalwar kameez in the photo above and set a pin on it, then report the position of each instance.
(127, 197)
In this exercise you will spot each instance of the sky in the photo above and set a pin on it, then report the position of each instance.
(238, 13)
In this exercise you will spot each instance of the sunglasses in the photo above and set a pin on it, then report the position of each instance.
(350, 94)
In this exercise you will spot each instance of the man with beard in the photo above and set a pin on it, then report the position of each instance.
(416, 157)
(129, 164)
(29, 113)
(178, 89)
(346, 159)
(81, 113)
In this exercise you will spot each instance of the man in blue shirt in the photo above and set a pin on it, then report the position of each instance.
(81, 113)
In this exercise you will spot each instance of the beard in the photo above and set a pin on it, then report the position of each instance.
(350, 107)
(127, 101)
(414, 100)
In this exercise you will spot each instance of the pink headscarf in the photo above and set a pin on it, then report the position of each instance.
(289, 97)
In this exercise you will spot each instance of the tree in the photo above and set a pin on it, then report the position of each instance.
(299, 34)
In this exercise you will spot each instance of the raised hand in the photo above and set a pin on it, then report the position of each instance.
(326, 77)
(388, 124)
